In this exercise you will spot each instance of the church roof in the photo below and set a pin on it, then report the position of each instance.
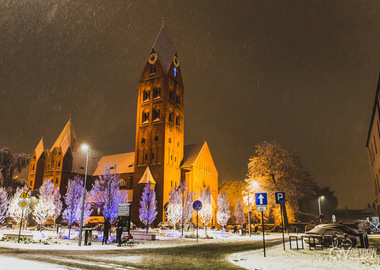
(39, 149)
(147, 177)
(124, 162)
(164, 48)
(191, 153)
(67, 138)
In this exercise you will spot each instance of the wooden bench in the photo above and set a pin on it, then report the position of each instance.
(141, 236)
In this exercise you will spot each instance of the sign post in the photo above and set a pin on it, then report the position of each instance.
(124, 213)
(280, 199)
(197, 205)
(23, 204)
(261, 203)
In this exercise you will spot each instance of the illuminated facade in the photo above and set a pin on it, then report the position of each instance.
(160, 154)
(373, 144)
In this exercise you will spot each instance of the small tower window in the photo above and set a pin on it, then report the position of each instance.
(146, 95)
(156, 93)
(156, 138)
(156, 115)
(152, 156)
(146, 156)
(145, 117)
(178, 99)
(142, 140)
(152, 69)
(171, 117)
(175, 72)
(177, 121)
(171, 95)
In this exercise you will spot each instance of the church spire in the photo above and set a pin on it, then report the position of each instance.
(164, 48)
(67, 136)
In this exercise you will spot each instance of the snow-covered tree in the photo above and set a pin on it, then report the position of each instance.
(223, 213)
(148, 206)
(73, 200)
(206, 211)
(4, 201)
(57, 203)
(187, 199)
(106, 193)
(277, 169)
(174, 207)
(86, 212)
(9, 163)
(14, 210)
(239, 214)
(45, 208)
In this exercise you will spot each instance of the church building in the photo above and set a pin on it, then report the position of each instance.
(160, 156)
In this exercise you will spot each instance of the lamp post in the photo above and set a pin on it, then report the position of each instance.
(319, 207)
(86, 149)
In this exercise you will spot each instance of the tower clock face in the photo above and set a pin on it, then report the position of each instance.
(152, 58)
(175, 61)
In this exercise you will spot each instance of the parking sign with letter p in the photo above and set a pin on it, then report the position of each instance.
(280, 197)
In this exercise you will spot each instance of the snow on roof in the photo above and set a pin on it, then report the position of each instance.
(147, 177)
(164, 48)
(191, 153)
(39, 149)
(124, 162)
(68, 131)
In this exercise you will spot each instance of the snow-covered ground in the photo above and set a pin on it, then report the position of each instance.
(165, 238)
(277, 258)
(13, 263)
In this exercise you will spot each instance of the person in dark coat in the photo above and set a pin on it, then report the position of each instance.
(106, 231)
(119, 231)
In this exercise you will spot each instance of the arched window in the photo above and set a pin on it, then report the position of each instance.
(156, 115)
(146, 95)
(156, 138)
(178, 99)
(171, 117)
(152, 69)
(177, 121)
(171, 95)
(156, 93)
(145, 117)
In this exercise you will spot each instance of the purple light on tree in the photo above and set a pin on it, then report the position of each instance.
(72, 200)
(4, 201)
(106, 193)
(57, 199)
(148, 206)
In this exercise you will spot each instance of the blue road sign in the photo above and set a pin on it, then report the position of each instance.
(261, 198)
(197, 205)
(280, 197)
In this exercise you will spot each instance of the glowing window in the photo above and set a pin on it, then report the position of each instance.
(175, 72)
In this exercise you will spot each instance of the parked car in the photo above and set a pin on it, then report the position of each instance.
(331, 232)
(94, 221)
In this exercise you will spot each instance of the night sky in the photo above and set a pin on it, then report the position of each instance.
(302, 73)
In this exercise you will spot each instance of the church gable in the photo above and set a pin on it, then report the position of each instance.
(204, 161)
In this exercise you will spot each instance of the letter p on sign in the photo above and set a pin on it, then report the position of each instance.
(280, 197)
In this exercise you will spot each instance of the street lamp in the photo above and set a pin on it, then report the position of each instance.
(319, 203)
(319, 206)
(86, 149)
(253, 184)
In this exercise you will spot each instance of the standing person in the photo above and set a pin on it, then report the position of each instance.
(106, 230)
(119, 231)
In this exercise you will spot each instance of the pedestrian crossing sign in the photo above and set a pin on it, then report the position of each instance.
(24, 194)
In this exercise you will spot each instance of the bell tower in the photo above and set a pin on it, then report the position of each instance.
(159, 124)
